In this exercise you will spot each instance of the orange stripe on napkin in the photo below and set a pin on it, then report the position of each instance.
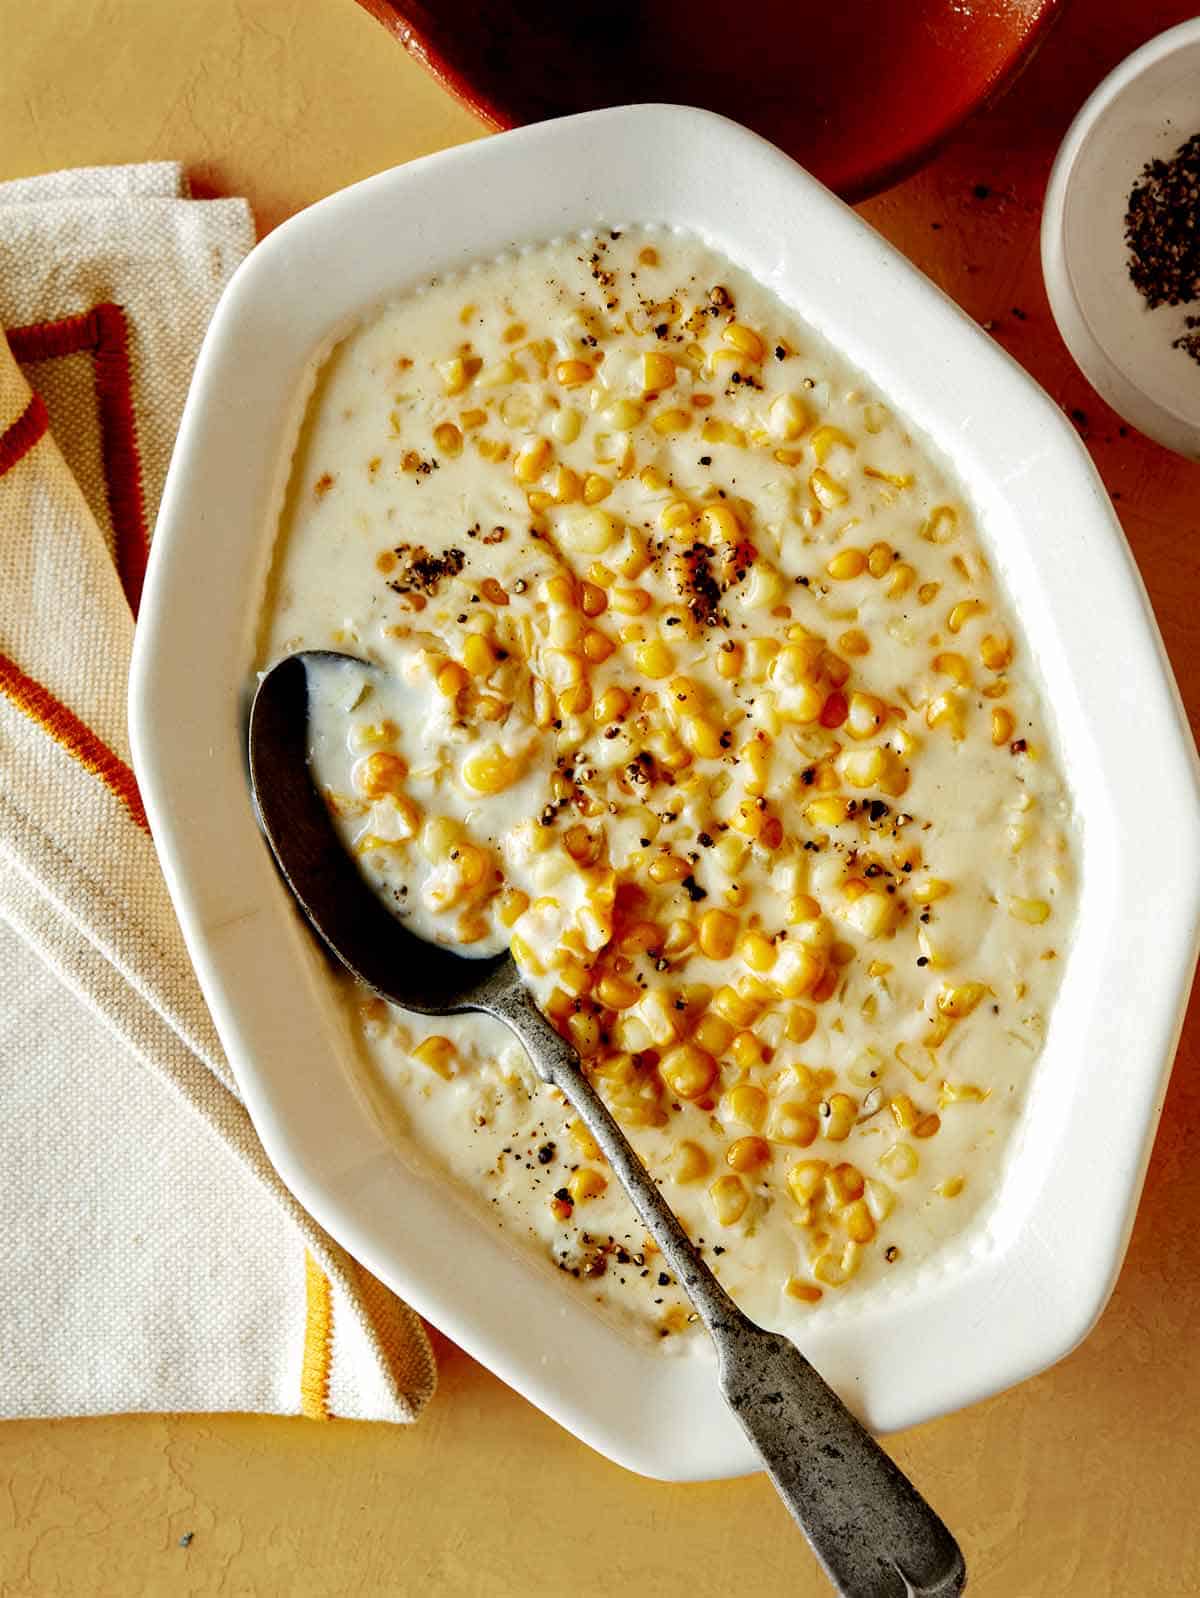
(318, 1342)
(104, 332)
(19, 438)
(75, 736)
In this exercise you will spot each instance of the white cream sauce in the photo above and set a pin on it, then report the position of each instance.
(389, 539)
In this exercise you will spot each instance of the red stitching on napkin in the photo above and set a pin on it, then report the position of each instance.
(19, 438)
(75, 736)
(104, 331)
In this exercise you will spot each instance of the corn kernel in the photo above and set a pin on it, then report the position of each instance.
(804, 1180)
(713, 1034)
(947, 710)
(566, 425)
(448, 439)
(658, 371)
(1034, 911)
(499, 373)
(729, 660)
(1003, 726)
(879, 559)
(701, 737)
(371, 734)
(744, 340)
(901, 579)
(436, 1052)
(583, 1140)
(800, 1025)
(795, 1124)
(961, 613)
(572, 373)
(586, 1183)
(900, 1161)
(721, 524)
(873, 914)
(829, 811)
(854, 642)
(758, 951)
(747, 1154)
(612, 705)
(826, 490)
(589, 532)
(747, 1050)
(826, 439)
(927, 889)
(479, 657)
(452, 679)
(995, 652)
(959, 1000)
(941, 525)
(674, 516)
(838, 1114)
(491, 771)
(655, 660)
(690, 1162)
(624, 413)
(805, 1292)
(844, 1184)
(617, 993)
(859, 1223)
(456, 373)
(735, 1007)
(846, 564)
(513, 905)
(584, 1032)
(904, 1111)
(961, 1093)
(688, 1071)
(787, 417)
(379, 774)
(597, 647)
(949, 664)
(862, 768)
(747, 1104)
(718, 934)
(730, 1199)
(836, 1269)
(672, 421)
(631, 601)
(665, 868)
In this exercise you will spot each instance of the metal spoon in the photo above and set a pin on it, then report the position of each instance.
(873, 1533)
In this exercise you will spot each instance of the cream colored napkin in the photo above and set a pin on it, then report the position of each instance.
(152, 1260)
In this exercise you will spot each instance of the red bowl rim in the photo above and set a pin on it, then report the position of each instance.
(859, 183)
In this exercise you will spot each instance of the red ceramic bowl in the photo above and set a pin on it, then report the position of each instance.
(858, 91)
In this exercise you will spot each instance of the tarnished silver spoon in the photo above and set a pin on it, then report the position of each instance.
(873, 1533)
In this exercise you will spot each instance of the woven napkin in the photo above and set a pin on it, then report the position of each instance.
(152, 1259)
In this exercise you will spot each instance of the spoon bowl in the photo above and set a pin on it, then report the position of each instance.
(374, 945)
(873, 1533)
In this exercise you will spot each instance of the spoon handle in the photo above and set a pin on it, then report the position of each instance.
(873, 1533)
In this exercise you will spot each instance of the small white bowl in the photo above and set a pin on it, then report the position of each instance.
(1025, 1284)
(1143, 111)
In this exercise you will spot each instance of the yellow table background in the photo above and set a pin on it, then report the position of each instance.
(1079, 1484)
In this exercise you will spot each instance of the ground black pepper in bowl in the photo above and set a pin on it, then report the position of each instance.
(1162, 230)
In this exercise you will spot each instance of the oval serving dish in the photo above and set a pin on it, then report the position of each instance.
(1022, 1289)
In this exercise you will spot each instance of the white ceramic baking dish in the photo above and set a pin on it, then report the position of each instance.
(1030, 1280)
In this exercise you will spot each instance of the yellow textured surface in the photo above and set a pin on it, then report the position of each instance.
(1080, 1484)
